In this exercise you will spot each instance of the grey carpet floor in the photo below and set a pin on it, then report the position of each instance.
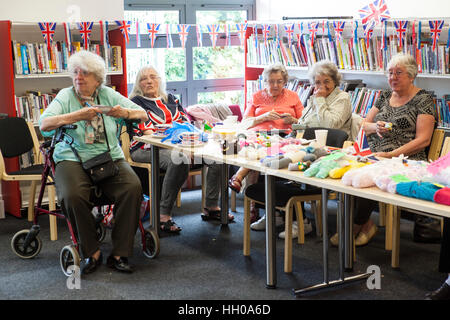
(205, 262)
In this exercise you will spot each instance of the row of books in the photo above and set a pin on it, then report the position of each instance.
(347, 54)
(363, 99)
(443, 111)
(275, 51)
(38, 58)
(32, 105)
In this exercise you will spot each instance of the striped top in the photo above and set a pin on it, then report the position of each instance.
(159, 112)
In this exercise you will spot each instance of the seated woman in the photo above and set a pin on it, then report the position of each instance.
(162, 108)
(328, 107)
(94, 132)
(274, 107)
(411, 112)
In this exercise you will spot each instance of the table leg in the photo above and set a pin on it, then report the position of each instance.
(155, 197)
(326, 283)
(341, 230)
(348, 227)
(271, 249)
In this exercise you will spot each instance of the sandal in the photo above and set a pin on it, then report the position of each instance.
(214, 215)
(167, 226)
(235, 184)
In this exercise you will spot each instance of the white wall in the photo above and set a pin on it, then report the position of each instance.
(276, 9)
(61, 10)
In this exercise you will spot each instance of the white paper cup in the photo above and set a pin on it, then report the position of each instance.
(321, 137)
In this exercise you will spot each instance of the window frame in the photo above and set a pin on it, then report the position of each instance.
(190, 88)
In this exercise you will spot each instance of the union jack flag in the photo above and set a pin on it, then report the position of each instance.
(241, 29)
(313, 26)
(199, 35)
(361, 144)
(289, 28)
(125, 26)
(48, 31)
(401, 26)
(153, 29)
(85, 30)
(227, 28)
(435, 29)
(374, 13)
(384, 35)
(213, 30)
(368, 31)
(338, 29)
(169, 36)
(183, 31)
(266, 31)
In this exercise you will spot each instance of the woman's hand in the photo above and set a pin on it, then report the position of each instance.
(380, 128)
(269, 116)
(320, 92)
(88, 114)
(288, 118)
(383, 154)
(118, 112)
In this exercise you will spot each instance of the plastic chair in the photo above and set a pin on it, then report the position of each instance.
(18, 137)
(335, 138)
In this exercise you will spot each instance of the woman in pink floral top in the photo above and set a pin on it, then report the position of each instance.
(274, 107)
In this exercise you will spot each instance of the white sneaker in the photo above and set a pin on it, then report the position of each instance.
(260, 225)
(306, 225)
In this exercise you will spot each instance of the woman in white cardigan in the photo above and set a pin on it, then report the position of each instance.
(329, 106)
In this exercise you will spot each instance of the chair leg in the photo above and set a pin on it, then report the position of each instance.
(246, 248)
(318, 216)
(382, 219)
(52, 207)
(300, 223)
(31, 200)
(233, 201)
(389, 223)
(395, 237)
(288, 239)
(150, 197)
(204, 171)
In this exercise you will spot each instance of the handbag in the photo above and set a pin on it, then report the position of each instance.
(99, 167)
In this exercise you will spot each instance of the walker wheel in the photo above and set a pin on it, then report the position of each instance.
(17, 245)
(68, 257)
(151, 248)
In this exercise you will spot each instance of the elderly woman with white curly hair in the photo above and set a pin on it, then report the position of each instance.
(96, 132)
(329, 106)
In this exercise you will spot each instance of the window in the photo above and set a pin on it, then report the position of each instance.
(195, 74)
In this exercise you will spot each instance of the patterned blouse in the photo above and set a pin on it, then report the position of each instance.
(159, 112)
(403, 120)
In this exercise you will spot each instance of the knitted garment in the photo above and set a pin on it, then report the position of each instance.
(419, 190)
(442, 196)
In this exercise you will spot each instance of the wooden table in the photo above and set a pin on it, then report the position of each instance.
(212, 152)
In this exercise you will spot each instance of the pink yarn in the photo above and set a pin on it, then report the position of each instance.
(442, 196)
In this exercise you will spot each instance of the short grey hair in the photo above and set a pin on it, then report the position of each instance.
(325, 68)
(137, 91)
(274, 68)
(407, 61)
(89, 62)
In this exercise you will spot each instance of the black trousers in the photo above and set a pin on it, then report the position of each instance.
(74, 187)
(444, 259)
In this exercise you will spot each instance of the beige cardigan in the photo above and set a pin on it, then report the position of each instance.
(334, 111)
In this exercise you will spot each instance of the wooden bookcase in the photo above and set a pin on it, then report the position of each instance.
(11, 84)
(439, 83)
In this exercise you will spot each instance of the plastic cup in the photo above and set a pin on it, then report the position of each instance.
(321, 137)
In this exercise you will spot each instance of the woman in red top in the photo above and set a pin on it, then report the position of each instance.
(273, 107)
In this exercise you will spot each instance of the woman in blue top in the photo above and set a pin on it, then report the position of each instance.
(94, 132)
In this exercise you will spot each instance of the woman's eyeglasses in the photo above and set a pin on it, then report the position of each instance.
(277, 82)
(396, 73)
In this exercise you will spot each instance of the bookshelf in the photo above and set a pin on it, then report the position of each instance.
(355, 61)
(16, 84)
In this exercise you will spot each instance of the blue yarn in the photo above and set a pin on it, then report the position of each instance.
(419, 190)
